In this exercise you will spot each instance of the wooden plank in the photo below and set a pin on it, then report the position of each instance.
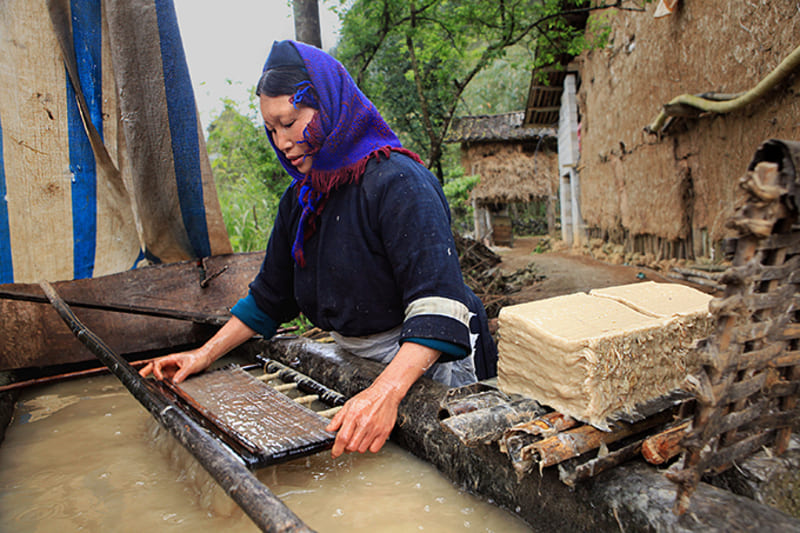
(31, 334)
(180, 314)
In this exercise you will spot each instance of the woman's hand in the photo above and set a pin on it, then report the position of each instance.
(367, 419)
(179, 366)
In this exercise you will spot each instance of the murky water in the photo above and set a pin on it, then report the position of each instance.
(85, 456)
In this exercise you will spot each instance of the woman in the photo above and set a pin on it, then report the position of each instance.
(361, 245)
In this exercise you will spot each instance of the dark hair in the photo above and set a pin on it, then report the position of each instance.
(283, 80)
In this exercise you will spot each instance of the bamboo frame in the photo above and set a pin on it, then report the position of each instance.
(747, 392)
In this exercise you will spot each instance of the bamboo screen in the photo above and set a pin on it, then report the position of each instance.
(748, 389)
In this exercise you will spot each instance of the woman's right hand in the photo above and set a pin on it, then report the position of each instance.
(177, 366)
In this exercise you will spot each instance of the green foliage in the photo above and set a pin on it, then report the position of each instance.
(457, 188)
(457, 191)
(248, 176)
(502, 87)
(302, 323)
(238, 147)
(530, 218)
(248, 208)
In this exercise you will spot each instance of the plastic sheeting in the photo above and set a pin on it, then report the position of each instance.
(103, 165)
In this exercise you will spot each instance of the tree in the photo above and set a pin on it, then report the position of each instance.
(238, 148)
(415, 58)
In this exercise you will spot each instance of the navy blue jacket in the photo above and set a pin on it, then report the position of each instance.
(382, 255)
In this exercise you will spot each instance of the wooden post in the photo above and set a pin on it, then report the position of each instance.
(306, 22)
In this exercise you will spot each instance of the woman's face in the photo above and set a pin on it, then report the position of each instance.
(285, 125)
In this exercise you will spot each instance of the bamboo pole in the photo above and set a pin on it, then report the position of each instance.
(65, 376)
(266, 510)
(595, 466)
(303, 382)
(575, 442)
(99, 371)
(546, 425)
(665, 445)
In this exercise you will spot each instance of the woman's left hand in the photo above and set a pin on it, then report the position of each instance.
(366, 420)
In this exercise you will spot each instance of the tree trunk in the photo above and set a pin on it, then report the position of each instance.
(306, 22)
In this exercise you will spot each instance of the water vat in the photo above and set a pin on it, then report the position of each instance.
(84, 455)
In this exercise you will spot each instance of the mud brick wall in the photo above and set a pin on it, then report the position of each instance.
(682, 186)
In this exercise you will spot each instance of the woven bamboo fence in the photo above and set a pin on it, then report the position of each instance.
(747, 392)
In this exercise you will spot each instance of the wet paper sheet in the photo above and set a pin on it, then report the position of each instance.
(261, 424)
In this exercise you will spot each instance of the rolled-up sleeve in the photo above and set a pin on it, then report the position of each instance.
(248, 312)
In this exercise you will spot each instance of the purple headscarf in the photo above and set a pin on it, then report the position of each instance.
(344, 134)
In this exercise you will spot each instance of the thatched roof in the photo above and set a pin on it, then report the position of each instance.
(494, 128)
(509, 174)
(515, 163)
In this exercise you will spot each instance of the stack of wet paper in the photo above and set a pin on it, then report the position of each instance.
(597, 355)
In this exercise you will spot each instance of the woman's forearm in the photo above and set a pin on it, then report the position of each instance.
(231, 335)
(411, 362)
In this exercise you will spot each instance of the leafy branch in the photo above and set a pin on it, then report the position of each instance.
(415, 59)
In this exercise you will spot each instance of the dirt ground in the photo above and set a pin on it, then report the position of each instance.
(566, 272)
